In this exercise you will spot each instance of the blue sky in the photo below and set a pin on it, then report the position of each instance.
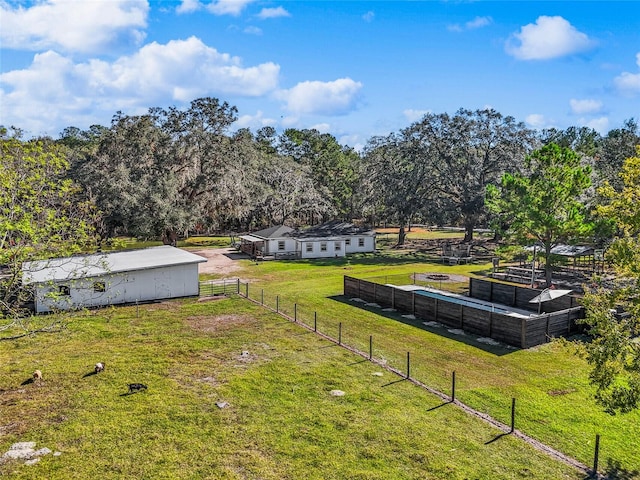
(354, 69)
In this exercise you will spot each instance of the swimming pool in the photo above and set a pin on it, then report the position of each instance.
(464, 300)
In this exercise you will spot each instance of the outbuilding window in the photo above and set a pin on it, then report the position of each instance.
(99, 287)
(347, 242)
(361, 242)
(323, 247)
(337, 247)
(281, 245)
(64, 290)
(309, 246)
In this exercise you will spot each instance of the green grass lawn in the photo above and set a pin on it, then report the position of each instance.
(550, 382)
(281, 421)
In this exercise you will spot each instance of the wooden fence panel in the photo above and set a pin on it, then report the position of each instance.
(480, 289)
(476, 321)
(426, 307)
(385, 296)
(507, 329)
(404, 301)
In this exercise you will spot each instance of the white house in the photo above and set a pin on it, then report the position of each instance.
(328, 240)
(112, 278)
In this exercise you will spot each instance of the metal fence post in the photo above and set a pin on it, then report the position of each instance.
(277, 304)
(408, 364)
(370, 347)
(595, 456)
(453, 386)
(315, 321)
(513, 415)
(295, 312)
(340, 333)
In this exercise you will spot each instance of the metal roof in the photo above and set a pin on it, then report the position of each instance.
(82, 266)
(277, 231)
(334, 228)
(251, 238)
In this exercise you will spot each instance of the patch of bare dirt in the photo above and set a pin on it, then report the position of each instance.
(222, 261)
(218, 323)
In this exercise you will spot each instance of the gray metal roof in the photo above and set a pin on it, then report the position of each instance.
(82, 266)
(277, 231)
(334, 228)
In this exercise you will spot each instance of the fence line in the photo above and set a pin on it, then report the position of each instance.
(405, 375)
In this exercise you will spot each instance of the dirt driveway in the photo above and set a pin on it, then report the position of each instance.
(219, 260)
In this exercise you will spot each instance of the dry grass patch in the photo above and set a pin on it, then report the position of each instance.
(218, 323)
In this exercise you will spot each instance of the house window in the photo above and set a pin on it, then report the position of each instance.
(309, 246)
(281, 245)
(99, 287)
(323, 247)
(337, 247)
(347, 242)
(361, 242)
(64, 290)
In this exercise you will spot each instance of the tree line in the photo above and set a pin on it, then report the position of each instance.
(172, 172)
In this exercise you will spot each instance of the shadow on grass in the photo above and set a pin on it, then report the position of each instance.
(615, 472)
(442, 331)
(89, 374)
(28, 381)
(496, 438)
(443, 404)
(394, 382)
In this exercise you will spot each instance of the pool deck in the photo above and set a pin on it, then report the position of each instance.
(472, 302)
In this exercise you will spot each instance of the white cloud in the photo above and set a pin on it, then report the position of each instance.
(629, 83)
(585, 106)
(414, 115)
(324, 98)
(477, 22)
(273, 13)
(189, 6)
(251, 30)
(228, 7)
(321, 127)
(600, 125)
(549, 37)
(73, 26)
(181, 70)
(538, 121)
(256, 121)
(369, 16)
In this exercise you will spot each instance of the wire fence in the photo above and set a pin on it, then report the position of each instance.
(402, 364)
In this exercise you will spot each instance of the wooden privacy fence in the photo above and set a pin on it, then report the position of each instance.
(522, 332)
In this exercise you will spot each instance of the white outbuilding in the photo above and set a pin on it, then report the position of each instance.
(126, 276)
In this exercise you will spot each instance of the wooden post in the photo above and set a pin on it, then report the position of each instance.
(277, 303)
(246, 290)
(513, 415)
(262, 297)
(340, 333)
(408, 364)
(370, 347)
(595, 456)
(295, 312)
(453, 386)
(315, 321)
(238, 286)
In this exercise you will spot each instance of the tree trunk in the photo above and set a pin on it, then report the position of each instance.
(401, 236)
(468, 233)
